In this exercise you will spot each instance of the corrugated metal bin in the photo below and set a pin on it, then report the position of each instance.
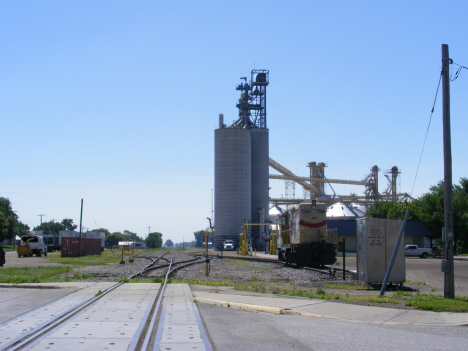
(376, 239)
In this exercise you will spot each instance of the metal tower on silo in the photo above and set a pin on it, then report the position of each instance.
(241, 165)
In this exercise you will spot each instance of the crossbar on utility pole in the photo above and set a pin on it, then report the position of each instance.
(449, 279)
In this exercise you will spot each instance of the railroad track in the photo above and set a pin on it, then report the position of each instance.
(151, 325)
(328, 271)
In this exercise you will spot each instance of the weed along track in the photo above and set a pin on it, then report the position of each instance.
(124, 316)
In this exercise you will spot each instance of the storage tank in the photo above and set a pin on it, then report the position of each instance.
(260, 184)
(232, 183)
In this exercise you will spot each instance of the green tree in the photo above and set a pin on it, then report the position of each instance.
(432, 211)
(131, 236)
(169, 243)
(68, 224)
(114, 238)
(21, 228)
(10, 225)
(154, 240)
(50, 228)
(429, 208)
(105, 231)
(200, 237)
(7, 219)
(394, 210)
(4, 227)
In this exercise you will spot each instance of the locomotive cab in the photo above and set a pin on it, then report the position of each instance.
(303, 238)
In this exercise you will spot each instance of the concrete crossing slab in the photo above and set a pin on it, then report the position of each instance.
(188, 334)
(112, 323)
(84, 345)
(96, 330)
(185, 317)
(180, 326)
(114, 315)
(17, 327)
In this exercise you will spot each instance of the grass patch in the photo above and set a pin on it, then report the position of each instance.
(8, 248)
(80, 276)
(235, 262)
(134, 280)
(32, 274)
(204, 282)
(91, 260)
(253, 287)
(106, 257)
(413, 282)
(438, 303)
(192, 282)
(374, 299)
(320, 291)
(401, 293)
(346, 287)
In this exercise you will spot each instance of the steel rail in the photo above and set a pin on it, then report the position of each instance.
(320, 271)
(39, 331)
(156, 310)
(165, 265)
(185, 265)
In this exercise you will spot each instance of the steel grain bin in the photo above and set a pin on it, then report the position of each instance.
(233, 186)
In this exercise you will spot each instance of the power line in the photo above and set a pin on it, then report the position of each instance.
(457, 72)
(427, 131)
(45, 197)
(91, 214)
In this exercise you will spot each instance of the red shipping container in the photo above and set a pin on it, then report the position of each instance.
(76, 247)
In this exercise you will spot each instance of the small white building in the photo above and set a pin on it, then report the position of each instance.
(132, 244)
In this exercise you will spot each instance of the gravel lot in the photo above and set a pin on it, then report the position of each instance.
(231, 270)
(423, 275)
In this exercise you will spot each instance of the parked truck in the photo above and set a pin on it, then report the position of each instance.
(52, 242)
(31, 244)
(414, 250)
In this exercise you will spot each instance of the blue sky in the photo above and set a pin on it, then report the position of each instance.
(116, 102)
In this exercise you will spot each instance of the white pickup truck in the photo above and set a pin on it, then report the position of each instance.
(414, 250)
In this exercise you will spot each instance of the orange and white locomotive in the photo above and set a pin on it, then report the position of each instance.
(303, 238)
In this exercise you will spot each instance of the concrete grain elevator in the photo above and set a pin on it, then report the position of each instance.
(241, 165)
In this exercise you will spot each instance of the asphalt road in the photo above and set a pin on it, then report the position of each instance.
(428, 271)
(16, 301)
(233, 329)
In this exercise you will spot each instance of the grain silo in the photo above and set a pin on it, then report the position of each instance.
(260, 183)
(232, 182)
(241, 165)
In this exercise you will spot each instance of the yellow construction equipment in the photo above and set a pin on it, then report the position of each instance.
(332, 237)
(244, 238)
(274, 240)
(24, 249)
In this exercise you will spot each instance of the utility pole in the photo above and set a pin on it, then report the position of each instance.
(149, 230)
(81, 216)
(14, 235)
(41, 215)
(449, 279)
